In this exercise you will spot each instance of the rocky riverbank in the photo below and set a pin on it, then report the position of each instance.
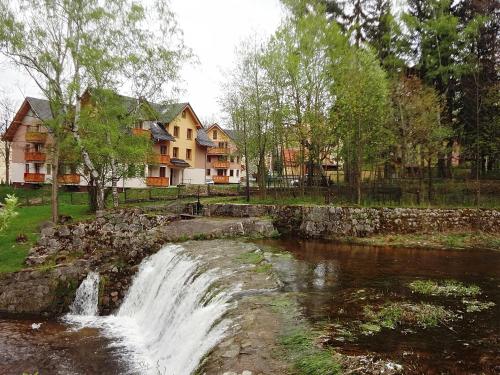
(115, 243)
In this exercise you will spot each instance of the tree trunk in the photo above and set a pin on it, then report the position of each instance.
(114, 187)
(429, 187)
(54, 200)
(7, 147)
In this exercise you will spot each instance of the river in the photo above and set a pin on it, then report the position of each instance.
(333, 283)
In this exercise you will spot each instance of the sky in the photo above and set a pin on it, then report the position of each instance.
(212, 29)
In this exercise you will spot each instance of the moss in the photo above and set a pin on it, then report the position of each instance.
(263, 268)
(251, 257)
(446, 288)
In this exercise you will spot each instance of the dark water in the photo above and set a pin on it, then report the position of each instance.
(53, 349)
(337, 280)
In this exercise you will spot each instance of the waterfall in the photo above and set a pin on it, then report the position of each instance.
(87, 295)
(172, 315)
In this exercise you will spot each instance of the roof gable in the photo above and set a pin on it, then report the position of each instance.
(39, 107)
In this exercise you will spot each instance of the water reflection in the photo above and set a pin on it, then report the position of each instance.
(335, 281)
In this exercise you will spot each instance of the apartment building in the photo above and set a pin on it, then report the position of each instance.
(224, 163)
(180, 146)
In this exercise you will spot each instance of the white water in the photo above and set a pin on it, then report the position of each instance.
(87, 296)
(170, 318)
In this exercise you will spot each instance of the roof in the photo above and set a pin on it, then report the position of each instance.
(203, 140)
(41, 108)
(158, 132)
(229, 132)
(179, 163)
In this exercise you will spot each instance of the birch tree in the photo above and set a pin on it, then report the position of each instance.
(68, 45)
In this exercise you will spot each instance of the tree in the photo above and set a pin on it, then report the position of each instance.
(6, 115)
(8, 211)
(361, 105)
(68, 45)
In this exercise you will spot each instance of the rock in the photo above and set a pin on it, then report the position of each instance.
(246, 372)
(232, 352)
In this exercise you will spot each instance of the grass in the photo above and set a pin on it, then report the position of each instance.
(394, 314)
(448, 288)
(298, 341)
(306, 357)
(450, 240)
(13, 254)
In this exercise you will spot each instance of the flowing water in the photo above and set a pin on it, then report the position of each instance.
(174, 311)
(170, 317)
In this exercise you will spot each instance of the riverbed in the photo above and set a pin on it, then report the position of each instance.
(332, 283)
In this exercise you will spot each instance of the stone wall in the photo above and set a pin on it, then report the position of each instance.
(326, 221)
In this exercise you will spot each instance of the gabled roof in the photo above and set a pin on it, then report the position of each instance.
(39, 107)
(229, 132)
(203, 140)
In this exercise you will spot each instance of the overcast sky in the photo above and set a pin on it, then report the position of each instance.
(213, 29)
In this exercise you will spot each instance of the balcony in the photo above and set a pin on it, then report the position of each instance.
(34, 156)
(218, 151)
(220, 179)
(157, 181)
(220, 164)
(69, 179)
(141, 132)
(161, 159)
(34, 177)
(35, 136)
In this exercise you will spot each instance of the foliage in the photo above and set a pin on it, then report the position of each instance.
(8, 211)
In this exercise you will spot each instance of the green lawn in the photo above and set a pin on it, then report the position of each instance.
(12, 254)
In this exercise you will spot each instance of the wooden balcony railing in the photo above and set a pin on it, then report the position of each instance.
(220, 164)
(218, 151)
(35, 137)
(69, 179)
(141, 132)
(161, 159)
(34, 156)
(34, 177)
(157, 181)
(221, 179)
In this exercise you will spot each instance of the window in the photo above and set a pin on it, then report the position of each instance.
(215, 134)
(237, 159)
(27, 168)
(138, 125)
(188, 154)
(183, 114)
(231, 172)
(175, 152)
(37, 168)
(49, 169)
(237, 173)
(232, 159)
(163, 150)
(176, 131)
(190, 134)
(222, 144)
(208, 172)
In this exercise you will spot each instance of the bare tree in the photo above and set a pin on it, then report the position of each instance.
(6, 114)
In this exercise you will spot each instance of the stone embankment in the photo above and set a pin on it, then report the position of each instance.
(114, 244)
(326, 221)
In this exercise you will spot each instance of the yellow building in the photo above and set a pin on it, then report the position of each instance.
(224, 163)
